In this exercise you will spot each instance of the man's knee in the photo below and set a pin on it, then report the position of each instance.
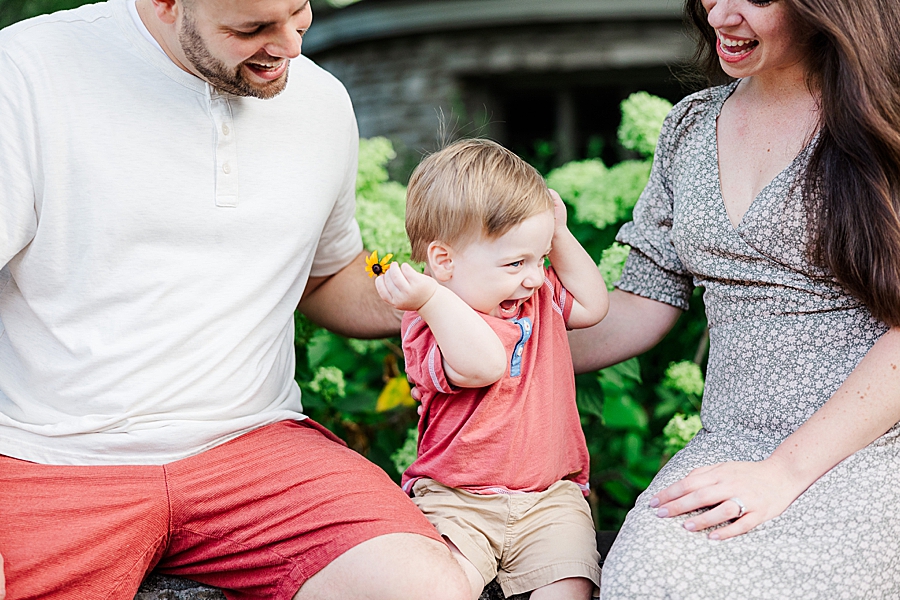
(396, 566)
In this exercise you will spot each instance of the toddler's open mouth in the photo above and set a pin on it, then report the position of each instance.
(510, 308)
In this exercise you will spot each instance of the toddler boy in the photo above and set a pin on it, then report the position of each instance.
(502, 464)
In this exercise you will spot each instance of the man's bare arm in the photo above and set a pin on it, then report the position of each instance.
(347, 303)
(633, 325)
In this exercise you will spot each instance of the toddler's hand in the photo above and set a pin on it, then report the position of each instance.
(404, 288)
(559, 211)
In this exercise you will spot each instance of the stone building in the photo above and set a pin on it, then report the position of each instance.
(544, 77)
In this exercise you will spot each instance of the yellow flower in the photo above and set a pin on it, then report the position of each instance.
(375, 267)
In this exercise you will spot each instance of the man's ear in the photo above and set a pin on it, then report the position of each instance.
(167, 10)
(439, 257)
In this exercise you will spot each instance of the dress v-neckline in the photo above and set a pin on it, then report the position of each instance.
(715, 149)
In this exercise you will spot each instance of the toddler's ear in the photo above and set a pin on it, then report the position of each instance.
(439, 257)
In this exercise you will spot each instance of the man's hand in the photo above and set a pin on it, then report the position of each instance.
(404, 288)
(764, 488)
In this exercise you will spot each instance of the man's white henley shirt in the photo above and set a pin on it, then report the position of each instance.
(155, 238)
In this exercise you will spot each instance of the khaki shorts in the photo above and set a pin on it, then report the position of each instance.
(526, 540)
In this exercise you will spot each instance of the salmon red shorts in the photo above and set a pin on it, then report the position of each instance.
(256, 516)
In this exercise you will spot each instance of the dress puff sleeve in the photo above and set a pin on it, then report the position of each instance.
(653, 269)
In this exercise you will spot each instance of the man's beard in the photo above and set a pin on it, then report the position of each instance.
(217, 73)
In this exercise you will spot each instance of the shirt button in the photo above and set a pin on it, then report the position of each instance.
(527, 326)
(225, 129)
(519, 352)
(226, 168)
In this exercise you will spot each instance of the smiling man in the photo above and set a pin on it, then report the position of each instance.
(168, 196)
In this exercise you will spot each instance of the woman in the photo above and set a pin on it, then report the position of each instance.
(779, 194)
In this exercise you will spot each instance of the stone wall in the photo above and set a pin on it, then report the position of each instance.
(406, 88)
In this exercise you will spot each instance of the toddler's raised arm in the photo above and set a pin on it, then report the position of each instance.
(472, 354)
(577, 272)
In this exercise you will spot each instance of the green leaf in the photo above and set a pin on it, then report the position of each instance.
(634, 447)
(619, 492)
(622, 412)
(641, 480)
(589, 402)
(318, 347)
(626, 371)
(669, 402)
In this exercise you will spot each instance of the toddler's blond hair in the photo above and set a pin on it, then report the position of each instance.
(468, 190)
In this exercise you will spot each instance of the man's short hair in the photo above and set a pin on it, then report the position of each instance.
(471, 189)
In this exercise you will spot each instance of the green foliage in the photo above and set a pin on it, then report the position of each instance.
(625, 182)
(601, 197)
(612, 261)
(685, 377)
(12, 11)
(680, 390)
(680, 430)
(580, 184)
(642, 117)
(329, 384)
(626, 408)
(406, 454)
(380, 203)
(345, 376)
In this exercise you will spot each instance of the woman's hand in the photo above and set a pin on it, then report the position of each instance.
(765, 489)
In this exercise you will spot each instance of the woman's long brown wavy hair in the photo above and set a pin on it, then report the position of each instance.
(852, 184)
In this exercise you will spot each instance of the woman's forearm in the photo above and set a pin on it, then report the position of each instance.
(632, 326)
(865, 406)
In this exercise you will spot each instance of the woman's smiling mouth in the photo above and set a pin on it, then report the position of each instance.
(734, 49)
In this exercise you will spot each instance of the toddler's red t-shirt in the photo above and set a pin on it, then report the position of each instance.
(521, 434)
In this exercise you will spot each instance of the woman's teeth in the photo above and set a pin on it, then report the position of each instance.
(737, 46)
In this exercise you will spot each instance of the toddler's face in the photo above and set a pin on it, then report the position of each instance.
(495, 276)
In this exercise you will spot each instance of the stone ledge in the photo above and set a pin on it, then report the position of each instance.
(159, 587)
